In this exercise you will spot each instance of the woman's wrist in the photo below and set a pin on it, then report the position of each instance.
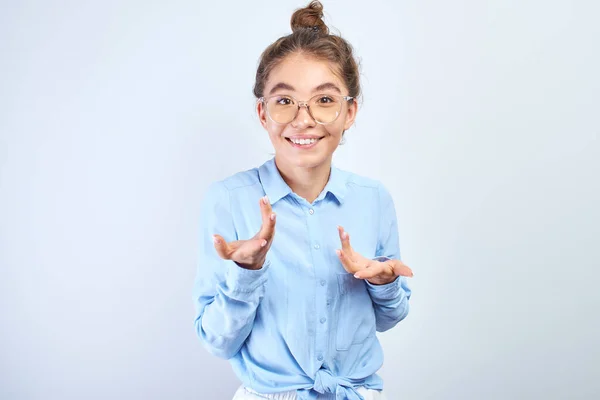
(253, 267)
(378, 282)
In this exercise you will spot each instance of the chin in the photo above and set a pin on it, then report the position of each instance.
(307, 160)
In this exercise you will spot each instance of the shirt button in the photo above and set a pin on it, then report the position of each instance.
(317, 246)
(320, 358)
(328, 302)
(323, 320)
(323, 282)
(311, 211)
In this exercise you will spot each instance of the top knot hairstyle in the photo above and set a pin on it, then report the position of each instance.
(309, 17)
(310, 36)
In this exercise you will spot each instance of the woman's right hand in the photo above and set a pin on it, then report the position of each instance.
(251, 253)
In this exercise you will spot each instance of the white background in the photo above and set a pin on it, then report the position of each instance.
(481, 117)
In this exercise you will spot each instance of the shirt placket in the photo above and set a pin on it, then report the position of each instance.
(320, 280)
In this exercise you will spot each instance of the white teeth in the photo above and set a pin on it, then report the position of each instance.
(303, 141)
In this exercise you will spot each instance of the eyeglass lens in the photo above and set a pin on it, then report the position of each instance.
(323, 108)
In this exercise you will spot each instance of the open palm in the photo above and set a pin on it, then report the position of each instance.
(250, 253)
(376, 272)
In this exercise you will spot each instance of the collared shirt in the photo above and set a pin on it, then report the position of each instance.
(301, 322)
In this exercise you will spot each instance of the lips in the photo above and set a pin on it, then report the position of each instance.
(304, 142)
(304, 137)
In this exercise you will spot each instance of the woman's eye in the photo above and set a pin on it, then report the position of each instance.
(325, 99)
(284, 101)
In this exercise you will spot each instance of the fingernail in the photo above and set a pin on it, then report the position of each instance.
(266, 200)
(264, 243)
(272, 217)
(356, 276)
(215, 239)
(345, 235)
(338, 252)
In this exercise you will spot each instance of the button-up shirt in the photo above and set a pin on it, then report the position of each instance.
(301, 322)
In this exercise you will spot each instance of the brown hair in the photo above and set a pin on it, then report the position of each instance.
(310, 36)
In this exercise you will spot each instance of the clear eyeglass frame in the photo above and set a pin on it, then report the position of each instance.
(299, 104)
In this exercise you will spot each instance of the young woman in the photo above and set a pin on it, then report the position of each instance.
(283, 290)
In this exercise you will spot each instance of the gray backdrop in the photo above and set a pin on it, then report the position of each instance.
(481, 117)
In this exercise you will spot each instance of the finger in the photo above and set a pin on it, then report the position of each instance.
(222, 247)
(376, 269)
(246, 252)
(268, 219)
(347, 262)
(345, 239)
(252, 247)
(402, 269)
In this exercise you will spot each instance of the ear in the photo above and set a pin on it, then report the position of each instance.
(262, 113)
(351, 114)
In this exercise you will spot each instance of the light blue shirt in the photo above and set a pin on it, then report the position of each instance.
(301, 322)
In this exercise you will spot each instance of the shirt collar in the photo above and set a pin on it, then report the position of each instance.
(336, 184)
(272, 182)
(276, 189)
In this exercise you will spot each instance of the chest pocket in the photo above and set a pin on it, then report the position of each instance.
(356, 316)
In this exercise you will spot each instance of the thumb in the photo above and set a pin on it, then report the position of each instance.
(402, 269)
(222, 247)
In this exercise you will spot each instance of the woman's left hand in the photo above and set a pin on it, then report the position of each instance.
(376, 272)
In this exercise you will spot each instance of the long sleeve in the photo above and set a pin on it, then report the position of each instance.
(226, 296)
(391, 301)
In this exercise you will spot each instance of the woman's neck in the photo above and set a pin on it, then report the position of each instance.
(307, 183)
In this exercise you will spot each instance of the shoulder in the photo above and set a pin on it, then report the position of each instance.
(363, 184)
(221, 190)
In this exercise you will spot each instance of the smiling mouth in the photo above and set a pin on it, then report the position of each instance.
(303, 143)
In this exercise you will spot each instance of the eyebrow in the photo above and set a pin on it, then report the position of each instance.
(323, 86)
(328, 85)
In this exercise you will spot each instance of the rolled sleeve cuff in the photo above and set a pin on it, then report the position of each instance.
(246, 280)
(388, 291)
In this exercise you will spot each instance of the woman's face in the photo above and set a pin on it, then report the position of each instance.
(303, 77)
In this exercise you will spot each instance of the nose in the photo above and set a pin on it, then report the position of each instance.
(303, 118)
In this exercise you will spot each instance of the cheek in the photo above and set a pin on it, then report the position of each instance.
(339, 123)
(275, 131)
(336, 129)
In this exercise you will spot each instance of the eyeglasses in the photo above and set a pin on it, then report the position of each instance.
(323, 108)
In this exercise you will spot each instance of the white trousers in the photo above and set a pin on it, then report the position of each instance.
(244, 393)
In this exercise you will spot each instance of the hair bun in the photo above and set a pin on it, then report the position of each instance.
(309, 17)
